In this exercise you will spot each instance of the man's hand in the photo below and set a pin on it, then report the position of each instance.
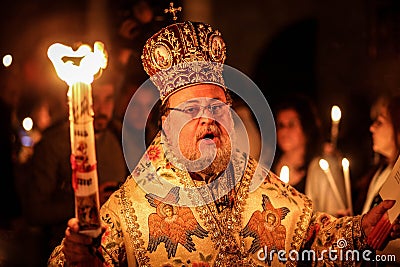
(372, 218)
(77, 248)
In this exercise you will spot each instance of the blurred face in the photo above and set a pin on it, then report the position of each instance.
(290, 135)
(205, 130)
(103, 105)
(383, 134)
(43, 118)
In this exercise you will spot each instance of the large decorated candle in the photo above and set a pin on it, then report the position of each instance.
(83, 153)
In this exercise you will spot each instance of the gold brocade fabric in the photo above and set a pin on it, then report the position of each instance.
(150, 228)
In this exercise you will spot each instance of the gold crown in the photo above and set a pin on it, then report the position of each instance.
(184, 54)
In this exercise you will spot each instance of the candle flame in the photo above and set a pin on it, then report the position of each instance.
(324, 165)
(336, 114)
(345, 164)
(91, 62)
(7, 60)
(284, 174)
(27, 124)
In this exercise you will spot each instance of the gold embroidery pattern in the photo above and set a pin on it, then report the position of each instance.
(171, 224)
(230, 252)
(57, 258)
(348, 236)
(186, 74)
(301, 230)
(358, 234)
(128, 213)
(353, 234)
(273, 184)
(184, 54)
(342, 235)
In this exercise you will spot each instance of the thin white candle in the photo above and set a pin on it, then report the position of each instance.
(346, 174)
(336, 115)
(325, 167)
(284, 174)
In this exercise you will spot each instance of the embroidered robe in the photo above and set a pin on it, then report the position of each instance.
(160, 217)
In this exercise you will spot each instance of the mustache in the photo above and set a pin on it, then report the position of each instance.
(211, 129)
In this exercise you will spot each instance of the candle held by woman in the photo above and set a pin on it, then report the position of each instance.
(347, 184)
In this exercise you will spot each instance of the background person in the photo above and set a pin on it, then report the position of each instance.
(300, 147)
(298, 137)
(385, 131)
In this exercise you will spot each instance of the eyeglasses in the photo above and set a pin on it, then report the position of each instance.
(194, 110)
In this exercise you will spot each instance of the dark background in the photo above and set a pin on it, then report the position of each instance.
(337, 52)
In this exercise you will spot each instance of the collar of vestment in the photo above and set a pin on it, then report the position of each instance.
(181, 220)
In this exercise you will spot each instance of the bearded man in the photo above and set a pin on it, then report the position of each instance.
(194, 167)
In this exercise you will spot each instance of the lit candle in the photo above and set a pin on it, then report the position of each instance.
(27, 124)
(26, 139)
(7, 60)
(346, 174)
(336, 115)
(284, 174)
(325, 167)
(83, 154)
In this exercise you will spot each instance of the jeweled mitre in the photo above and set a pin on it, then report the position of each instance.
(184, 54)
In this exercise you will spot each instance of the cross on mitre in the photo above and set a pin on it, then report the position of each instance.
(172, 10)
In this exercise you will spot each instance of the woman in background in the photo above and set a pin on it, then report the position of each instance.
(300, 147)
(298, 138)
(385, 130)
